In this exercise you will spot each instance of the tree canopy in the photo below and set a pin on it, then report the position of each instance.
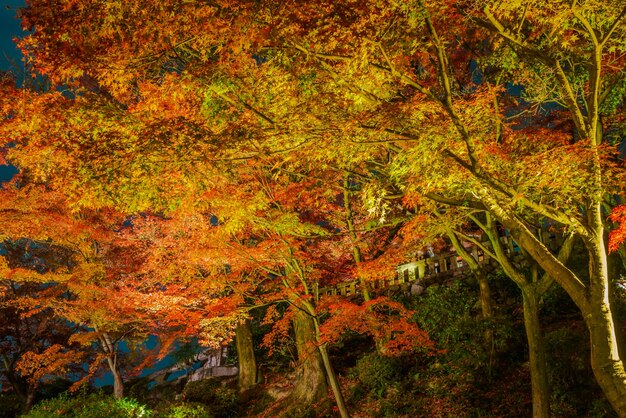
(200, 160)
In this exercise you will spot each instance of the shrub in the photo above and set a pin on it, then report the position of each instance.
(225, 403)
(222, 402)
(377, 372)
(186, 410)
(201, 391)
(92, 406)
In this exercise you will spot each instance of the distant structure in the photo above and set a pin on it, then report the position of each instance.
(430, 267)
(209, 363)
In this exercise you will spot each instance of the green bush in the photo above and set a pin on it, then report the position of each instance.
(377, 372)
(95, 405)
(201, 391)
(222, 402)
(186, 410)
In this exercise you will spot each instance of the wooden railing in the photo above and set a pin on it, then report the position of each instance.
(448, 264)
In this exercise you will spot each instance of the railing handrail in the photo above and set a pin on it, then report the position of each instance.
(416, 270)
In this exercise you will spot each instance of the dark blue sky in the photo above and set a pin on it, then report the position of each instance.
(9, 55)
(9, 28)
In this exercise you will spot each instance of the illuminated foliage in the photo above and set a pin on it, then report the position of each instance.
(266, 149)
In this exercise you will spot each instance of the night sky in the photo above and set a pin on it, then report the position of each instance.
(9, 56)
(9, 28)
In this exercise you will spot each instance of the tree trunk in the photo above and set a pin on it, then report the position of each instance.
(29, 400)
(606, 363)
(247, 359)
(485, 291)
(332, 377)
(540, 387)
(592, 300)
(487, 314)
(310, 384)
(356, 249)
(19, 385)
(334, 383)
(118, 383)
(536, 353)
(108, 346)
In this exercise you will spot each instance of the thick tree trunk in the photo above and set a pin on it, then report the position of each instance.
(118, 383)
(310, 384)
(247, 359)
(19, 385)
(606, 362)
(536, 353)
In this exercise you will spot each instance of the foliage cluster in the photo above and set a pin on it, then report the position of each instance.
(190, 162)
(221, 401)
(95, 405)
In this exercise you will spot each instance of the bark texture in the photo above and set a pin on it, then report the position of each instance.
(247, 360)
(118, 383)
(536, 353)
(310, 385)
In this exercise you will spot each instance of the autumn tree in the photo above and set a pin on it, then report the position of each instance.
(35, 343)
(277, 247)
(481, 159)
(143, 116)
(421, 93)
(522, 270)
(103, 309)
(204, 296)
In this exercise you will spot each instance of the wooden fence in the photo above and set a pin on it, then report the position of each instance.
(447, 264)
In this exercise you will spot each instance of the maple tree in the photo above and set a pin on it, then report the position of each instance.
(252, 187)
(470, 171)
(35, 344)
(277, 247)
(88, 290)
(423, 117)
(199, 296)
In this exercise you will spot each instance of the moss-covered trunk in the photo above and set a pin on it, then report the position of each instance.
(245, 353)
(310, 385)
(536, 353)
(486, 307)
